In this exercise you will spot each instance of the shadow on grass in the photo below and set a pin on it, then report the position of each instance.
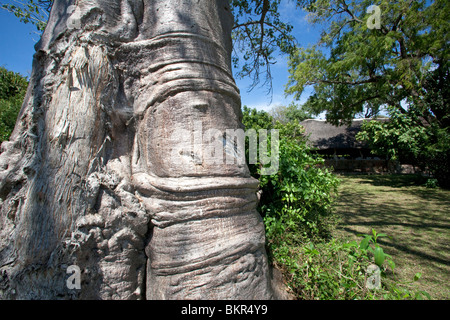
(414, 216)
(404, 181)
(394, 180)
(406, 249)
(387, 216)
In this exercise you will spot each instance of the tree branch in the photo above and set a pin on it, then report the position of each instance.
(371, 80)
(347, 10)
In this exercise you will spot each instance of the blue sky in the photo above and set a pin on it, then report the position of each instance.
(306, 35)
(17, 42)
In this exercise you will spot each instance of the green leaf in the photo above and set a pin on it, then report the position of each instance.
(391, 264)
(350, 244)
(379, 256)
(365, 243)
(417, 276)
(374, 233)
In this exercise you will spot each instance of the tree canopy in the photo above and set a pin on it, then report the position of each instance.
(30, 11)
(358, 69)
(290, 113)
(392, 58)
(12, 91)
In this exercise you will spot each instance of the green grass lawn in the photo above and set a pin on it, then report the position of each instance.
(415, 217)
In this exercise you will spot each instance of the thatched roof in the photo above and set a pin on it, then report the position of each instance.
(323, 135)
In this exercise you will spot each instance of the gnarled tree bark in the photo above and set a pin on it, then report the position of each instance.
(104, 169)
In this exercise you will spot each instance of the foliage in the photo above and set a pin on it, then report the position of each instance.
(403, 138)
(401, 66)
(400, 138)
(12, 92)
(438, 156)
(335, 269)
(356, 69)
(290, 113)
(31, 11)
(254, 119)
(300, 194)
(12, 84)
(258, 34)
(431, 183)
(370, 244)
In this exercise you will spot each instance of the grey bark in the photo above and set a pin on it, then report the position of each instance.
(97, 172)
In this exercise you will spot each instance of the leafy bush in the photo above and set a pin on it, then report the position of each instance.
(438, 156)
(324, 270)
(432, 183)
(296, 204)
(406, 139)
(13, 87)
(299, 195)
(338, 270)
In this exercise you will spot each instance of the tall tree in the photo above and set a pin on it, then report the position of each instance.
(291, 113)
(358, 67)
(392, 56)
(104, 175)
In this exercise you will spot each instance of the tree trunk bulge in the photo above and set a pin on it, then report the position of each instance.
(104, 172)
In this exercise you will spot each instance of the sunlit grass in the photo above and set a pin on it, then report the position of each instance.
(415, 217)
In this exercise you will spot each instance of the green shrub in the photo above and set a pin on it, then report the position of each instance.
(432, 183)
(406, 139)
(296, 204)
(327, 270)
(8, 115)
(339, 270)
(299, 195)
(13, 87)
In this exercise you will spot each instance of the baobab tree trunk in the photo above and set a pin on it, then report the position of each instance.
(110, 167)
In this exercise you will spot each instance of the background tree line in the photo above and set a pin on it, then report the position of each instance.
(400, 69)
(13, 87)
